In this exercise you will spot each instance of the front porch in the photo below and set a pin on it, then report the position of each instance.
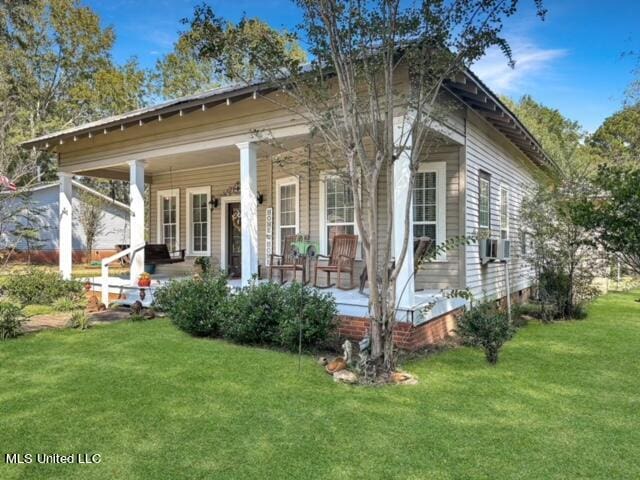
(236, 204)
(428, 305)
(204, 183)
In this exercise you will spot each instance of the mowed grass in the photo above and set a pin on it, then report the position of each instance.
(563, 403)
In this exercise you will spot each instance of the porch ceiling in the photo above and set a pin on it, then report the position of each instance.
(195, 159)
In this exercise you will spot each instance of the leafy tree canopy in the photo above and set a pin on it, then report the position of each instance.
(612, 212)
(58, 73)
(618, 138)
(562, 138)
(184, 72)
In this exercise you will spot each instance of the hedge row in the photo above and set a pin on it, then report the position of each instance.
(261, 314)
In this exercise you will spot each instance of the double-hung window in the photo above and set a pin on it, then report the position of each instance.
(484, 201)
(169, 218)
(337, 210)
(199, 221)
(429, 202)
(287, 209)
(504, 212)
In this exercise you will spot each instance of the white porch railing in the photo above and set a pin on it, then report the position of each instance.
(105, 269)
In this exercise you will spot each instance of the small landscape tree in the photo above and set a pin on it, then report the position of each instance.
(91, 218)
(611, 213)
(561, 250)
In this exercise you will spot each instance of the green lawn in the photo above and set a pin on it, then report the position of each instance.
(79, 270)
(564, 402)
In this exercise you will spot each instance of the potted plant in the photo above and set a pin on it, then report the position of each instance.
(203, 263)
(144, 280)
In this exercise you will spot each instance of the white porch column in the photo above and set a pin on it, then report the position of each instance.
(136, 217)
(65, 244)
(405, 283)
(249, 208)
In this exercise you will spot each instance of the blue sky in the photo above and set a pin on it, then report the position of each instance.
(572, 61)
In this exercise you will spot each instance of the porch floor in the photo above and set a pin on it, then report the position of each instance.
(349, 302)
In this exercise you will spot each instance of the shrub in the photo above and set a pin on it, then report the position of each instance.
(270, 314)
(65, 304)
(137, 318)
(255, 314)
(79, 320)
(486, 327)
(204, 263)
(196, 306)
(310, 310)
(563, 296)
(40, 286)
(11, 319)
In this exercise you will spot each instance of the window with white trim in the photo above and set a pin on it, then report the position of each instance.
(484, 201)
(198, 221)
(287, 203)
(168, 218)
(429, 202)
(504, 212)
(339, 210)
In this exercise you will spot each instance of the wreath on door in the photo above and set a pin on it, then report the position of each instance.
(236, 219)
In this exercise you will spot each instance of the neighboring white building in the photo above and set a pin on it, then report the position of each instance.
(40, 204)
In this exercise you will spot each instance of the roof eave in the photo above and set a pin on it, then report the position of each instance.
(140, 117)
(471, 91)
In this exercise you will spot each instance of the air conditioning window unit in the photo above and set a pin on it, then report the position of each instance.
(488, 250)
(504, 250)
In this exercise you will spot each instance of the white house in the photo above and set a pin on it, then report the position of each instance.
(206, 169)
(39, 209)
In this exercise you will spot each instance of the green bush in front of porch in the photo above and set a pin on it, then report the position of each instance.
(196, 305)
(260, 314)
(41, 286)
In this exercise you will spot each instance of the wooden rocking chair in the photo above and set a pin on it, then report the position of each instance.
(288, 261)
(421, 247)
(341, 260)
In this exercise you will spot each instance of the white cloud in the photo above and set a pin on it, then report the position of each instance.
(533, 64)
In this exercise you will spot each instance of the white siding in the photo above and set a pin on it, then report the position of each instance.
(489, 151)
(114, 224)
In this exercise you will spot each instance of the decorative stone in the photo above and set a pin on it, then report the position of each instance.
(403, 378)
(347, 350)
(345, 376)
(336, 365)
(322, 361)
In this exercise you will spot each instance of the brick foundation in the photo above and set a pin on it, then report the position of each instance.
(415, 337)
(517, 298)
(405, 335)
